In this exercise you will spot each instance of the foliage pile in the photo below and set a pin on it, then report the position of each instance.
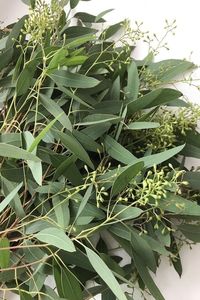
(92, 148)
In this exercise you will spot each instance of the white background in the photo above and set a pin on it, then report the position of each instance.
(153, 13)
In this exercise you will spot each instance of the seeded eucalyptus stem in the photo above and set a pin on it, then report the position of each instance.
(92, 150)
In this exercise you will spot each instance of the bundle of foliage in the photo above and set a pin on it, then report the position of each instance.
(92, 148)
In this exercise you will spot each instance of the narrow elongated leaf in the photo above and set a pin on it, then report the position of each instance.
(61, 209)
(35, 167)
(193, 178)
(26, 77)
(158, 158)
(88, 18)
(7, 150)
(190, 231)
(144, 274)
(118, 152)
(55, 110)
(9, 198)
(57, 59)
(124, 178)
(125, 232)
(84, 201)
(143, 250)
(80, 40)
(179, 205)
(142, 125)
(77, 32)
(67, 79)
(110, 31)
(99, 118)
(115, 90)
(124, 212)
(105, 273)
(133, 83)
(16, 203)
(157, 97)
(5, 58)
(70, 142)
(4, 253)
(87, 142)
(15, 32)
(73, 96)
(67, 285)
(168, 69)
(56, 237)
(102, 14)
(42, 134)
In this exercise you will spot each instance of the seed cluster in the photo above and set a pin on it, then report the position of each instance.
(154, 186)
(43, 19)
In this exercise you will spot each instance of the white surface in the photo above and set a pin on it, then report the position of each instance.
(153, 13)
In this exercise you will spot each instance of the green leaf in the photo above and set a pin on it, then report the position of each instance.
(154, 98)
(55, 110)
(11, 151)
(84, 201)
(102, 14)
(88, 18)
(26, 77)
(80, 40)
(179, 206)
(5, 58)
(10, 197)
(58, 59)
(56, 237)
(87, 142)
(142, 125)
(41, 135)
(110, 31)
(125, 177)
(158, 158)
(73, 95)
(36, 282)
(16, 203)
(67, 284)
(105, 273)
(98, 119)
(14, 139)
(132, 88)
(168, 69)
(78, 32)
(73, 80)
(143, 250)
(71, 143)
(61, 208)
(193, 178)
(124, 212)
(125, 232)
(29, 2)
(108, 295)
(24, 295)
(190, 231)
(15, 32)
(144, 274)
(118, 152)
(35, 167)
(74, 3)
(4, 253)
(192, 145)
(115, 89)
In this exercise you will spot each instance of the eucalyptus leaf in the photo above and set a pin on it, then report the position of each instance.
(56, 237)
